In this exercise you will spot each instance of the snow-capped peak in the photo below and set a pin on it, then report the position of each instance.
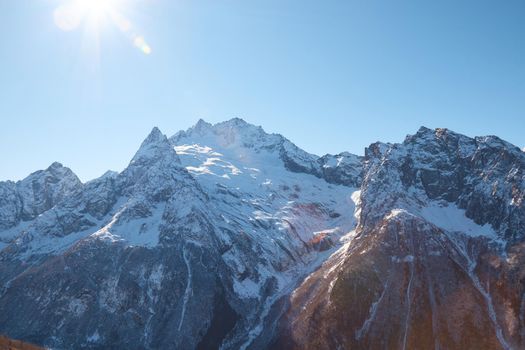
(38, 192)
(424, 130)
(55, 169)
(155, 136)
(223, 221)
(56, 176)
(202, 126)
(55, 165)
(233, 133)
(425, 134)
(155, 146)
(237, 139)
(442, 165)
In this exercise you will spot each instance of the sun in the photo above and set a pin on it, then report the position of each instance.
(72, 13)
(93, 14)
(97, 9)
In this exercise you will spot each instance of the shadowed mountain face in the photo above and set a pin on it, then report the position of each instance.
(227, 236)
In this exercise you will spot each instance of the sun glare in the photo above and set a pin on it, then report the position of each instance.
(92, 14)
(96, 9)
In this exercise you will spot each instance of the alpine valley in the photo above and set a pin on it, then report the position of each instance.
(226, 237)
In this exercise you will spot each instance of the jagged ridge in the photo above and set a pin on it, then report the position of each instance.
(204, 237)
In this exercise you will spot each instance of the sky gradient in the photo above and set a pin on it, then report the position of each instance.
(331, 76)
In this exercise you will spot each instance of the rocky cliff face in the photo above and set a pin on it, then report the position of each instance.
(226, 236)
(37, 193)
(437, 258)
(188, 247)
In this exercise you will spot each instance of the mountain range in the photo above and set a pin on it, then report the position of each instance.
(225, 236)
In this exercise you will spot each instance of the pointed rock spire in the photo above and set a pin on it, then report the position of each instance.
(55, 165)
(155, 146)
(153, 168)
(202, 124)
(155, 135)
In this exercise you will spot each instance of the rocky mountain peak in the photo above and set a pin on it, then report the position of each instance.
(239, 138)
(494, 142)
(56, 169)
(425, 134)
(43, 189)
(55, 165)
(58, 172)
(232, 133)
(153, 148)
(437, 208)
(154, 135)
(480, 175)
(38, 192)
(202, 126)
(376, 150)
(236, 121)
(155, 169)
(220, 237)
(423, 130)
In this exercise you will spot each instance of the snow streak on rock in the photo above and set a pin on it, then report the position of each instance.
(226, 236)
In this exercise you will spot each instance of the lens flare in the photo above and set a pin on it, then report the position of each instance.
(96, 8)
(72, 14)
(142, 45)
(67, 18)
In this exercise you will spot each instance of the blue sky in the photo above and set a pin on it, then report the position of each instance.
(329, 75)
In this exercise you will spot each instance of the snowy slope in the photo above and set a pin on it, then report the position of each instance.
(227, 236)
(235, 160)
(436, 257)
(246, 214)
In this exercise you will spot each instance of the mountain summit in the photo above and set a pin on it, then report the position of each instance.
(226, 236)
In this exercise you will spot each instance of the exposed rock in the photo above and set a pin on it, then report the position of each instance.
(227, 236)
(183, 249)
(437, 262)
(37, 193)
(12, 344)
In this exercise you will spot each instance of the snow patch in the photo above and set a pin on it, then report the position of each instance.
(93, 338)
(450, 218)
(405, 259)
(189, 291)
(246, 289)
(397, 212)
(140, 232)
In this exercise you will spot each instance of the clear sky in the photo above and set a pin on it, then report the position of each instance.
(84, 84)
